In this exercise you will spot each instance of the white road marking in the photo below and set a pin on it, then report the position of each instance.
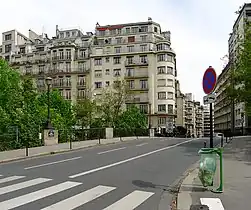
(30, 197)
(52, 163)
(212, 203)
(140, 145)
(127, 160)
(11, 178)
(112, 150)
(80, 199)
(131, 201)
(14, 187)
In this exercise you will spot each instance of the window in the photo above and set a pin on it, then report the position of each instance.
(161, 70)
(81, 93)
(143, 58)
(144, 29)
(131, 39)
(67, 94)
(54, 66)
(155, 29)
(169, 70)
(82, 66)
(119, 40)
(170, 95)
(7, 37)
(106, 60)
(135, 30)
(129, 72)
(98, 73)
(161, 57)
(129, 60)
(28, 70)
(128, 30)
(170, 109)
(98, 85)
(81, 80)
(107, 72)
(161, 82)
(131, 84)
(68, 81)
(143, 108)
(143, 38)
(117, 60)
(117, 72)
(73, 33)
(170, 82)
(68, 54)
(116, 84)
(61, 35)
(68, 66)
(54, 54)
(107, 83)
(40, 69)
(61, 54)
(162, 108)
(61, 81)
(117, 49)
(67, 34)
(143, 84)
(161, 95)
(143, 48)
(119, 31)
(7, 48)
(130, 48)
(97, 61)
(162, 120)
(162, 47)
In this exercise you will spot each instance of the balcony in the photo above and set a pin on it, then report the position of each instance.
(134, 99)
(136, 62)
(64, 57)
(81, 84)
(62, 85)
(136, 74)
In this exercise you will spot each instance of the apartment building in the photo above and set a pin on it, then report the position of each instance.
(193, 116)
(222, 104)
(228, 115)
(206, 121)
(141, 54)
(180, 106)
(65, 58)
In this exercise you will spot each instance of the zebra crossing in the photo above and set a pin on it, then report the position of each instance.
(129, 202)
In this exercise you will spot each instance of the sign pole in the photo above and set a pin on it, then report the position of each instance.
(211, 126)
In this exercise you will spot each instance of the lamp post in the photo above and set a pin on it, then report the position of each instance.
(48, 82)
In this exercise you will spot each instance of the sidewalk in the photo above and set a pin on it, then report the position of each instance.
(237, 181)
(6, 156)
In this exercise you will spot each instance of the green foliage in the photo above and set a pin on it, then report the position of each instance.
(132, 118)
(239, 89)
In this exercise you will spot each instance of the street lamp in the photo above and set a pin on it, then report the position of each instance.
(48, 82)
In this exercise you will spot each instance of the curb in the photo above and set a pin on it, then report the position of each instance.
(179, 181)
(56, 152)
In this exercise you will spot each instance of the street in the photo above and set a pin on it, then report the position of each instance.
(127, 175)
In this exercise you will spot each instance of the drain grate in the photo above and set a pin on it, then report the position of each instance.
(199, 207)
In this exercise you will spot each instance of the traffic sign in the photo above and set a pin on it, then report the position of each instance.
(209, 80)
(208, 99)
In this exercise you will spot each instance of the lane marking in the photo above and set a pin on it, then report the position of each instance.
(14, 187)
(30, 197)
(11, 178)
(81, 198)
(112, 150)
(131, 201)
(52, 163)
(140, 145)
(127, 160)
(212, 203)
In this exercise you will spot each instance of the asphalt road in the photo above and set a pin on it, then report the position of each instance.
(124, 176)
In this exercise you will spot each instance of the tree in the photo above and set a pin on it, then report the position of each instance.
(239, 88)
(112, 100)
(132, 118)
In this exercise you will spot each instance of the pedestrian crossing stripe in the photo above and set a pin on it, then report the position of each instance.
(129, 202)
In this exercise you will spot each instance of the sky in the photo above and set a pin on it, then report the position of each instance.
(199, 28)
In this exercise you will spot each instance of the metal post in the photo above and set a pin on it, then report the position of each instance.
(211, 126)
(221, 142)
(70, 143)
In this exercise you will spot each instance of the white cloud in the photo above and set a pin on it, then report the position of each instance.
(199, 28)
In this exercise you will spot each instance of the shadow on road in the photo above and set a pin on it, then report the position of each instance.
(145, 185)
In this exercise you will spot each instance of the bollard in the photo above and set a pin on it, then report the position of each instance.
(221, 141)
(70, 143)
(205, 144)
(27, 151)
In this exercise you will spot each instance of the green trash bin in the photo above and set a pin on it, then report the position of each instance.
(207, 167)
